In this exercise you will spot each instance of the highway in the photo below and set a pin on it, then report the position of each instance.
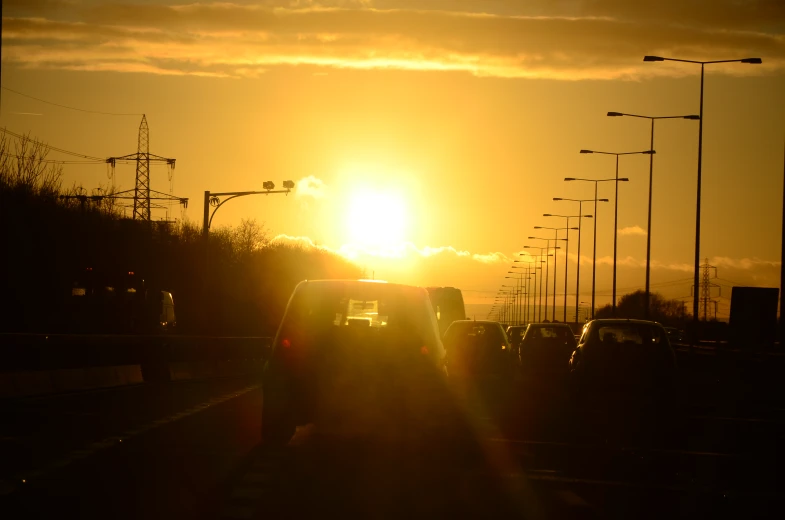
(190, 449)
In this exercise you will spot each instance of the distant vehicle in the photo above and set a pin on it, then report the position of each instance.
(753, 317)
(448, 305)
(354, 357)
(625, 357)
(111, 302)
(478, 350)
(515, 336)
(675, 335)
(546, 350)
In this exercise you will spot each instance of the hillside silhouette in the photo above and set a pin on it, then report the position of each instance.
(238, 283)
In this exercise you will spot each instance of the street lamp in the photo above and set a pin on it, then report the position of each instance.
(546, 255)
(524, 315)
(693, 117)
(214, 199)
(754, 61)
(616, 210)
(566, 263)
(580, 211)
(531, 270)
(555, 257)
(594, 249)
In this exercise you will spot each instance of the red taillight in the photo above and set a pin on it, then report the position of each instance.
(424, 350)
(285, 343)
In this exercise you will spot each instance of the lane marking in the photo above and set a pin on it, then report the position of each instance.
(622, 448)
(24, 478)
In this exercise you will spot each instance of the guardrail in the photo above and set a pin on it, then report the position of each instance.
(33, 364)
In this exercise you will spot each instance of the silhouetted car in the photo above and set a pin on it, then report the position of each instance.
(515, 336)
(675, 335)
(623, 357)
(478, 350)
(545, 351)
(354, 357)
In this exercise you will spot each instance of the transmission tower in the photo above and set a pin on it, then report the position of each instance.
(142, 191)
(705, 291)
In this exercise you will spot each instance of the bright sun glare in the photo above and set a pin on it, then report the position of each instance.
(376, 219)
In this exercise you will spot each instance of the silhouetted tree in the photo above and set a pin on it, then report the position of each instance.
(237, 282)
(632, 305)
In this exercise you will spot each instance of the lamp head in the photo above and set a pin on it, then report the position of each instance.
(653, 58)
(568, 179)
(615, 114)
(624, 179)
(694, 117)
(603, 200)
(587, 151)
(756, 61)
(558, 198)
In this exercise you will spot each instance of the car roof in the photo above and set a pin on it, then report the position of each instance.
(552, 324)
(480, 322)
(337, 282)
(623, 321)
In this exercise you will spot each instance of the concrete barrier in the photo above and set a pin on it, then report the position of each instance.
(42, 382)
(37, 364)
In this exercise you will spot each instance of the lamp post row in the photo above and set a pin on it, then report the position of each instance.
(616, 180)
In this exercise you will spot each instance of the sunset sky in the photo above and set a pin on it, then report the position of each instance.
(428, 137)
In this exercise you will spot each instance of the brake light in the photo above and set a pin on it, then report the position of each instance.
(504, 347)
(285, 343)
(424, 350)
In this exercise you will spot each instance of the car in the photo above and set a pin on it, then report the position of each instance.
(623, 357)
(675, 335)
(545, 351)
(448, 304)
(355, 357)
(515, 335)
(478, 350)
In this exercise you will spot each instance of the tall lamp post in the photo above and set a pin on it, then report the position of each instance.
(566, 248)
(531, 290)
(546, 255)
(754, 61)
(616, 210)
(647, 297)
(566, 263)
(528, 277)
(580, 211)
(594, 248)
(537, 300)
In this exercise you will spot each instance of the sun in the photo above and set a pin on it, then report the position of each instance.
(376, 218)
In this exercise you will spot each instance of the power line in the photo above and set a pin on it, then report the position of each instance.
(50, 147)
(66, 106)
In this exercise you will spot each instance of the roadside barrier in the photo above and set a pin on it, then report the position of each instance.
(37, 364)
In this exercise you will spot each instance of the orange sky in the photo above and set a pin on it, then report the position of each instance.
(457, 120)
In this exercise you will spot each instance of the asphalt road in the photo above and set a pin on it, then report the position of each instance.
(191, 450)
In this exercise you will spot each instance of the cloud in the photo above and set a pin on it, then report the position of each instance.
(400, 251)
(591, 40)
(632, 230)
(311, 187)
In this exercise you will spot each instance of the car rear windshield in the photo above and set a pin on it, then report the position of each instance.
(630, 334)
(552, 332)
(487, 333)
(374, 306)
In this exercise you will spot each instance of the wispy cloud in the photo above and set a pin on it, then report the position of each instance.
(632, 230)
(592, 40)
(405, 250)
(311, 187)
